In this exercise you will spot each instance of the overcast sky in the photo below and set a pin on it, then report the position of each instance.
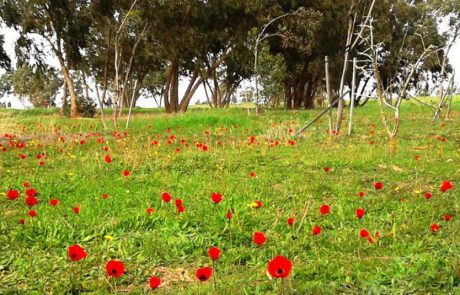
(11, 36)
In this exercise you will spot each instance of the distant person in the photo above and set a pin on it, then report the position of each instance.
(9, 105)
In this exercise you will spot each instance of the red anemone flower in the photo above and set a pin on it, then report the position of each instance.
(108, 159)
(76, 210)
(279, 267)
(290, 221)
(229, 214)
(326, 169)
(32, 213)
(446, 185)
(203, 274)
(378, 185)
(179, 202)
(316, 230)
(325, 209)
(259, 238)
(434, 227)
(428, 195)
(216, 197)
(166, 197)
(362, 194)
(31, 192)
(447, 217)
(13, 194)
(364, 233)
(360, 212)
(126, 172)
(154, 282)
(214, 253)
(149, 211)
(54, 202)
(115, 268)
(31, 201)
(76, 252)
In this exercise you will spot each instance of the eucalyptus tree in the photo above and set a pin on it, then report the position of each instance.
(62, 24)
(36, 84)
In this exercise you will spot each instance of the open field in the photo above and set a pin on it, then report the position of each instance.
(246, 158)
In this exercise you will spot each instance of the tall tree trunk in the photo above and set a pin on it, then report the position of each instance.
(207, 95)
(298, 94)
(167, 90)
(309, 100)
(70, 85)
(288, 95)
(129, 70)
(191, 89)
(174, 88)
(106, 66)
(64, 99)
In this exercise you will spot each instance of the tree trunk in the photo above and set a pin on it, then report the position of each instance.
(64, 99)
(309, 99)
(207, 95)
(106, 66)
(299, 90)
(167, 90)
(174, 88)
(351, 25)
(288, 95)
(189, 93)
(70, 85)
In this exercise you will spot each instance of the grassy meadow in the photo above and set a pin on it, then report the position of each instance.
(246, 158)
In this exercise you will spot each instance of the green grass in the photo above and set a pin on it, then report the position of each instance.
(407, 258)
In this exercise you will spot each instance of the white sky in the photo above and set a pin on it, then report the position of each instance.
(11, 37)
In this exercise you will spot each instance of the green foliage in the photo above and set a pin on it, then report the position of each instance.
(38, 85)
(5, 61)
(272, 74)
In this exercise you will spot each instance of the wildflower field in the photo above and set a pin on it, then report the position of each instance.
(222, 202)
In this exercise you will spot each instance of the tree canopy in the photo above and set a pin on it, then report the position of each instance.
(139, 47)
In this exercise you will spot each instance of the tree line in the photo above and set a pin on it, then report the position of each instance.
(122, 50)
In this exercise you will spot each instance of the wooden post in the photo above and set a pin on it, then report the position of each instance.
(321, 114)
(352, 99)
(328, 93)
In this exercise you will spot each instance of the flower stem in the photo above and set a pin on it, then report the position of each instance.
(214, 277)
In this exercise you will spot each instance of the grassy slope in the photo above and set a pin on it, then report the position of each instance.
(290, 182)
